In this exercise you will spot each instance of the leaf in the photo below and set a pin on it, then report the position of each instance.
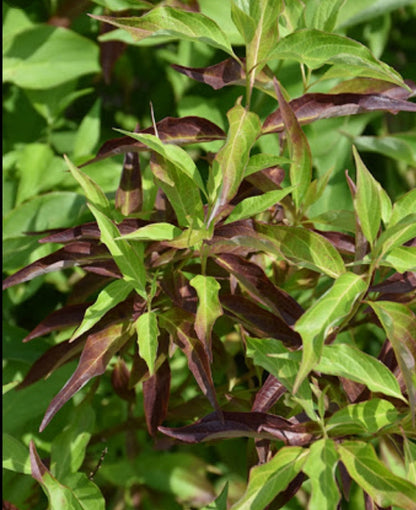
(268, 394)
(128, 258)
(284, 365)
(367, 417)
(385, 488)
(113, 294)
(315, 106)
(220, 502)
(239, 424)
(343, 360)
(403, 207)
(15, 455)
(394, 236)
(209, 309)
(129, 194)
(252, 206)
(299, 150)
(268, 480)
(402, 259)
(93, 192)
(167, 21)
(304, 247)
(320, 467)
(88, 133)
(322, 14)
(147, 335)
(367, 200)
(324, 317)
(98, 351)
(315, 49)
(229, 165)
(394, 146)
(154, 232)
(44, 56)
(156, 391)
(399, 324)
(170, 130)
(74, 493)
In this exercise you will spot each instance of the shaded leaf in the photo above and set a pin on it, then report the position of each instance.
(129, 194)
(343, 360)
(120, 379)
(97, 353)
(268, 480)
(324, 317)
(172, 22)
(372, 475)
(217, 76)
(15, 455)
(268, 394)
(156, 390)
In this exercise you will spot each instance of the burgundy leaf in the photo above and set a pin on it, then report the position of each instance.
(344, 243)
(87, 286)
(268, 179)
(311, 107)
(397, 284)
(268, 394)
(258, 285)
(238, 424)
(65, 317)
(259, 321)
(284, 497)
(110, 52)
(217, 76)
(179, 131)
(156, 392)
(177, 287)
(120, 377)
(51, 360)
(97, 353)
(179, 323)
(79, 253)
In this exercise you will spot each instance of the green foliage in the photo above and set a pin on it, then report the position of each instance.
(217, 303)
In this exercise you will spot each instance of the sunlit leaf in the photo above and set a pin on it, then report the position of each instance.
(154, 232)
(147, 335)
(15, 455)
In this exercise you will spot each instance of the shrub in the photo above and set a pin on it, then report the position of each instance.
(249, 278)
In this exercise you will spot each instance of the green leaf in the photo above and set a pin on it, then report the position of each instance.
(113, 294)
(284, 365)
(392, 146)
(320, 467)
(365, 417)
(324, 316)
(261, 161)
(396, 235)
(176, 23)
(402, 259)
(322, 14)
(410, 459)
(220, 502)
(304, 247)
(268, 480)
(251, 206)
(154, 232)
(209, 308)
(367, 200)
(315, 49)
(88, 133)
(69, 447)
(385, 488)
(299, 150)
(228, 168)
(399, 323)
(343, 360)
(129, 259)
(403, 207)
(147, 335)
(44, 56)
(15, 455)
(93, 192)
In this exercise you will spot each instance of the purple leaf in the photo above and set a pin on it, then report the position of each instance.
(268, 394)
(217, 76)
(156, 392)
(120, 377)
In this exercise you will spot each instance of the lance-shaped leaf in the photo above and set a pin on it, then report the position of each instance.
(365, 417)
(324, 316)
(154, 232)
(343, 360)
(315, 49)
(386, 488)
(238, 424)
(129, 194)
(403, 207)
(75, 492)
(229, 165)
(251, 206)
(299, 150)
(75, 254)
(97, 353)
(395, 235)
(260, 287)
(156, 390)
(209, 309)
(302, 246)
(259, 321)
(147, 336)
(108, 298)
(176, 23)
(268, 394)
(270, 479)
(399, 323)
(170, 130)
(180, 325)
(315, 106)
(283, 364)
(15, 455)
(129, 259)
(320, 466)
(367, 200)
(402, 258)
